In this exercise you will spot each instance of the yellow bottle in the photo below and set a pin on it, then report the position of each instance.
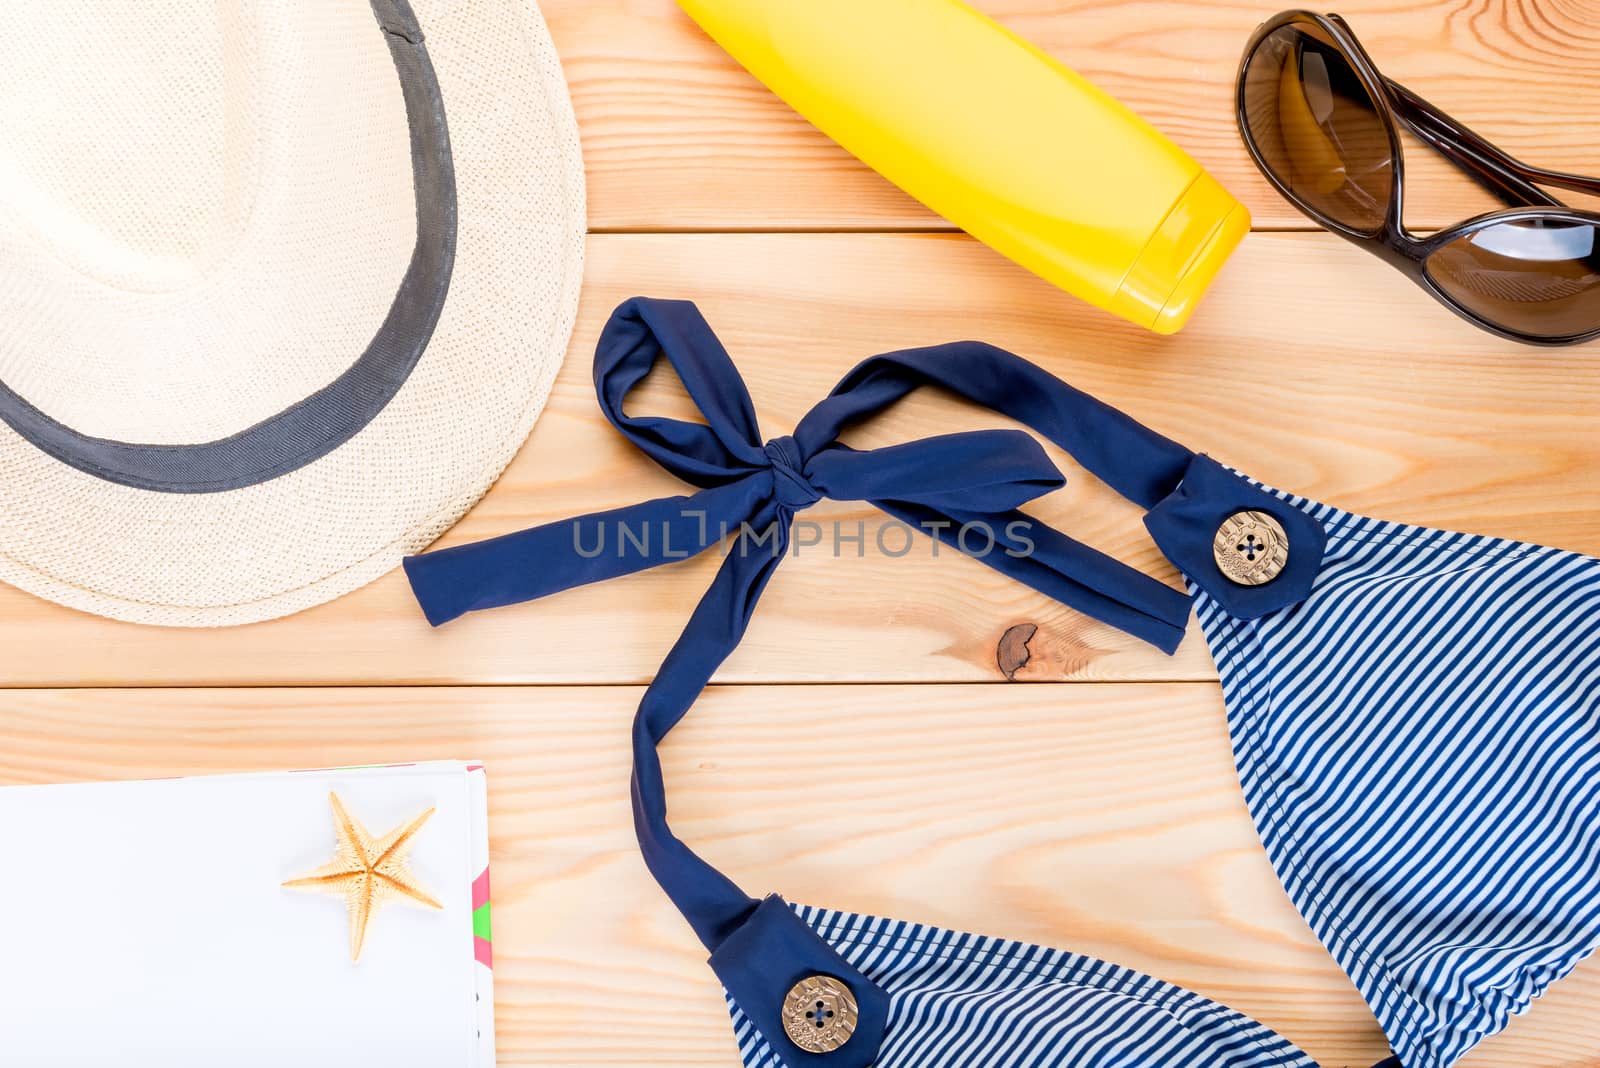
(1005, 142)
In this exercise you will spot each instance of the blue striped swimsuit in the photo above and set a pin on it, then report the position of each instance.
(1414, 713)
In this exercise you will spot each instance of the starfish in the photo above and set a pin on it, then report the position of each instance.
(366, 873)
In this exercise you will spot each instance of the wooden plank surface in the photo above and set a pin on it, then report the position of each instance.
(678, 136)
(1104, 819)
(1310, 367)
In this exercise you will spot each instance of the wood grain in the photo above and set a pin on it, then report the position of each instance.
(1104, 819)
(1310, 367)
(677, 136)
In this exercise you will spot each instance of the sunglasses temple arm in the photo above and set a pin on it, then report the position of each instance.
(1501, 174)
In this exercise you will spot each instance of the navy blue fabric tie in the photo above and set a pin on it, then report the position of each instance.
(752, 491)
(936, 484)
(749, 492)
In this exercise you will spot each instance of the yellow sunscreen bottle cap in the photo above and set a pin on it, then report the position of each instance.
(1173, 270)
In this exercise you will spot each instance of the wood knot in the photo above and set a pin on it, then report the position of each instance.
(1012, 653)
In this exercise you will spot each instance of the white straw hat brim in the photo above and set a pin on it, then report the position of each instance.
(130, 332)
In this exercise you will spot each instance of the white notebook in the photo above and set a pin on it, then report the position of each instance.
(146, 923)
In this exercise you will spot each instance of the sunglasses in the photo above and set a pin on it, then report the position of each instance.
(1323, 125)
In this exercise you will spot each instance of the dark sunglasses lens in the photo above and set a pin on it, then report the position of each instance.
(1315, 127)
(1538, 277)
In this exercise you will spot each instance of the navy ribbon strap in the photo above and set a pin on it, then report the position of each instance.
(936, 484)
(753, 490)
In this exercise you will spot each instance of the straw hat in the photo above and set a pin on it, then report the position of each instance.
(285, 286)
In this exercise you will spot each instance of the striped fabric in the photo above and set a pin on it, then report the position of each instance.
(1419, 743)
(967, 1001)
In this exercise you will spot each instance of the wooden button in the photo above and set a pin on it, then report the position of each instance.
(819, 1015)
(1251, 548)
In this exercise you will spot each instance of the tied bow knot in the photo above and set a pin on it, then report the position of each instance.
(963, 489)
(789, 484)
